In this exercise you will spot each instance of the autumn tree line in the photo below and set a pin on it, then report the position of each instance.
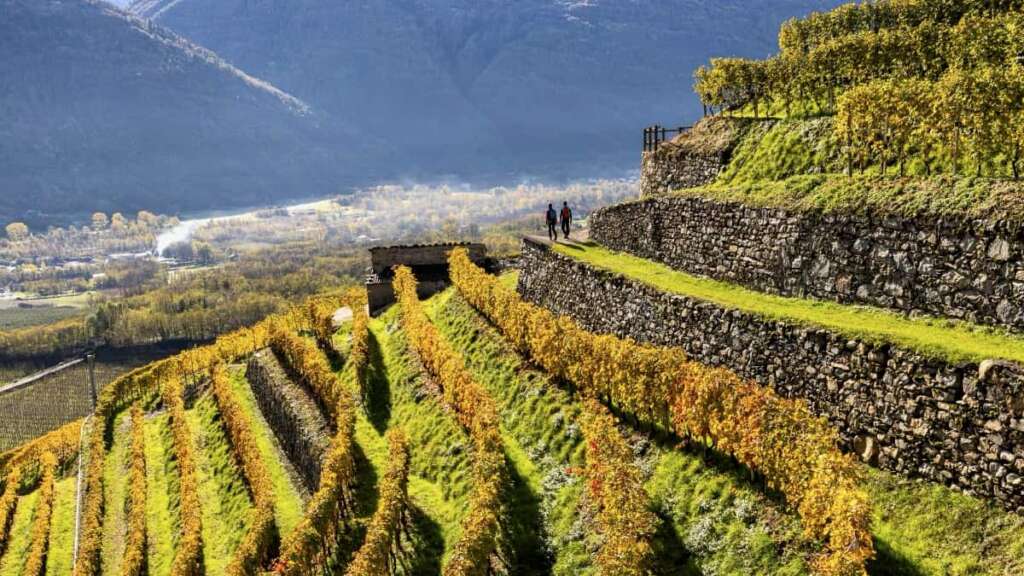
(103, 235)
(195, 307)
(903, 77)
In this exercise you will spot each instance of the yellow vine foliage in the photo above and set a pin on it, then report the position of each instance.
(62, 443)
(615, 486)
(256, 548)
(143, 383)
(476, 411)
(359, 351)
(8, 502)
(308, 549)
(797, 452)
(188, 558)
(306, 362)
(35, 564)
(383, 537)
(134, 562)
(310, 546)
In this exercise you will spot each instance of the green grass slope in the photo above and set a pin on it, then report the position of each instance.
(222, 490)
(797, 164)
(19, 539)
(440, 483)
(162, 517)
(701, 531)
(115, 493)
(62, 528)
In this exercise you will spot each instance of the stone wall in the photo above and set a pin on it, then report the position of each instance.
(953, 268)
(300, 428)
(671, 168)
(962, 425)
(383, 258)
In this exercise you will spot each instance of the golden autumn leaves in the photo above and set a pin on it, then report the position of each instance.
(795, 451)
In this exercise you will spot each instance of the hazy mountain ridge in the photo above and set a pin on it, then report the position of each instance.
(551, 88)
(272, 100)
(104, 111)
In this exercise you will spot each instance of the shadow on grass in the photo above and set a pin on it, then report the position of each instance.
(377, 394)
(889, 562)
(423, 554)
(365, 496)
(671, 556)
(522, 527)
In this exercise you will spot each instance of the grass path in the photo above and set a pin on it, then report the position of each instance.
(115, 490)
(62, 528)
(288, 492)
(937, 338)
(222, 491)
(19, 540)
(162, 518)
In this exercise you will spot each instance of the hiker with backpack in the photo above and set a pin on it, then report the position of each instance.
(566, 217)
(552, 220)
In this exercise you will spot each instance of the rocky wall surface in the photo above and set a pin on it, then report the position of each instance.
(961, 425)
(669, 168)
(298, 424)
(952, 268)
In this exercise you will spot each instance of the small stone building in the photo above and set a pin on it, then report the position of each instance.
(429, 263)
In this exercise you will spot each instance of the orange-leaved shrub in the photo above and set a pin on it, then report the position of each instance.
(188, 557)
(35, 564)
(391, 520)
(477, 412)
(8, 502)
(615, 487)
(305, 361)
(256, 549)
(134, 558)
(796, 452)
(310, 547)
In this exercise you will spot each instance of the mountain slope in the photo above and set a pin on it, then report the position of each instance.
(103, 111)
(543, 87)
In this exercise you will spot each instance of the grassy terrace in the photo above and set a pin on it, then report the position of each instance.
(797, 164)
(945, 339)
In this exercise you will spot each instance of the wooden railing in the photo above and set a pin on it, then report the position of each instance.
(655, 135)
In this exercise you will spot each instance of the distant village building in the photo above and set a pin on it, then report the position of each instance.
(428, 262)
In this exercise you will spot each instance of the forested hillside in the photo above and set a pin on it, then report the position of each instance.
(106, 112)
(487, 88)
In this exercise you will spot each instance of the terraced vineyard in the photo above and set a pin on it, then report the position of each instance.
(469, 434)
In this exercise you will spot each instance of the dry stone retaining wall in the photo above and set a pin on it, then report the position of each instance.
(954, 268)
(962, 425)
(670, 168)
(301, 429)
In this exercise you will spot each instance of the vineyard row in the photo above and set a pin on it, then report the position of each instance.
(478, 414)
(795, 451)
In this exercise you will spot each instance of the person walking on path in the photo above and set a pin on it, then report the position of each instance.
(566, 220)
(552, 219)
